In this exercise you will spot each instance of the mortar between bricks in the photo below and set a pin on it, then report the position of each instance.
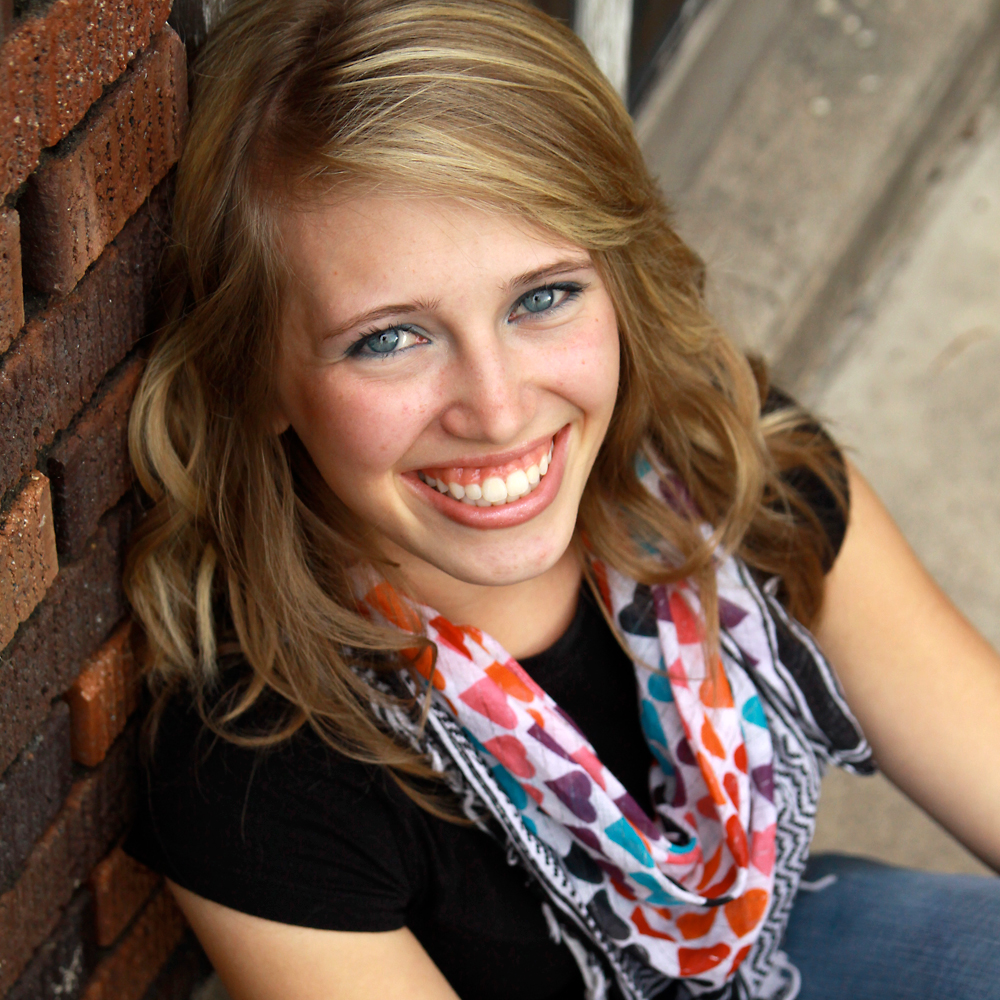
(85, 191)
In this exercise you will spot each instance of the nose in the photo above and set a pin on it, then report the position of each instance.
(488, 393)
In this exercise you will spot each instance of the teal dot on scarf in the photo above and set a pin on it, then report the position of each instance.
(622, 834)
(514, 791)
(642, 466)
(753, 712)
(651, 725)
(659, 687)
(656, 897)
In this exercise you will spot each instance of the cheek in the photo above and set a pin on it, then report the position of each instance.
(585, 367)
(357, 429)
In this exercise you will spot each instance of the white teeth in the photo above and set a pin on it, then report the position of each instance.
(495, 490)
(517, 484)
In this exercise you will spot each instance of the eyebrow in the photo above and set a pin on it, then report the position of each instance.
(427, 305)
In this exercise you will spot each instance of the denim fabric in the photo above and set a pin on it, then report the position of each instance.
(884, 933)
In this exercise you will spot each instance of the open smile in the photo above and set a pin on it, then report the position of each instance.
(497, 493)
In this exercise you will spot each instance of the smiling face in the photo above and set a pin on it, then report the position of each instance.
(452, 372)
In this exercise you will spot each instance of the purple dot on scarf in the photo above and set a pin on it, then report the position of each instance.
(730, 615)
(573, 790)
(613, 870)
(662, 604)
(680, 792)
(684, 754)
(631, 810)
(587, 837)
(537, 733)
(763, 778)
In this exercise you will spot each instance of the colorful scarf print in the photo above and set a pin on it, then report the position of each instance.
(683, 894)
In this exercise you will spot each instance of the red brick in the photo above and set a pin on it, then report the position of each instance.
(184, 970)
(128, 972)
(28, 562)
(103, 697)
(88, 467)
(11, 291)
(96, 811)
(120, 885)
(54, 66)
(63, 963)
(80, 197)
(81, 608)
(63, 354)
(32, 792)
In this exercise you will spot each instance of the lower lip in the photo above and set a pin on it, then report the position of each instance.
(510, 514)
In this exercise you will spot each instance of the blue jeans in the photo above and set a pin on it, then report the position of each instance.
(883, 933)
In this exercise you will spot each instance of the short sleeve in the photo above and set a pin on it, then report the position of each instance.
(295, 834)
(816, 493)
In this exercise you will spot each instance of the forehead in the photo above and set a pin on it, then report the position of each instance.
(372, 245)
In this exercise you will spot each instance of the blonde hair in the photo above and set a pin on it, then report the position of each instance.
(244, 546)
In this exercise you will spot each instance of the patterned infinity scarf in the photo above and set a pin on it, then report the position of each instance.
(683, 894)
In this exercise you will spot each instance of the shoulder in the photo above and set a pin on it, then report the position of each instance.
(284, 832)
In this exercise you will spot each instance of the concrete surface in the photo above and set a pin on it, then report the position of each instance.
(912, 387)
(821, 152)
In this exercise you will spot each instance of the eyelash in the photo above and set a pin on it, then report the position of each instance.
(571, 288)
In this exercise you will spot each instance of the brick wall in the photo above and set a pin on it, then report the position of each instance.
(93, 102)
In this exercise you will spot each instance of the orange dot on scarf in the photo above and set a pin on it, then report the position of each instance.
(737, 841)
(707, 807)
(710, 779)
(715, 691)
(746, 912)
(509, 682)
(451, 636)
(384, 599)
(723, 885)
(711, 867)
(711, 740)
(422, 658)
(732, 788)
(738, 961)
(694, 961)
(740, 757)
(696, 925)
(640, 921)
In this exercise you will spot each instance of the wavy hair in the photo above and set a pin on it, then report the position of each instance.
(243, 547)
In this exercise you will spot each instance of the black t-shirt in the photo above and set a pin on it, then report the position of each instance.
(302, 835)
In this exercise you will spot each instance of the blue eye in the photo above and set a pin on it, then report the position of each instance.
(539, 300)
(388, 342)
(384, 342)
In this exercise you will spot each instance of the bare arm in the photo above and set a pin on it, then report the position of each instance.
(924, 684)
(263, 960)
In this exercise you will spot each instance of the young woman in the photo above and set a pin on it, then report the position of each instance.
(479, 564)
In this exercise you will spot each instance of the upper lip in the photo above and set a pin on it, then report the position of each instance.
(493, 458)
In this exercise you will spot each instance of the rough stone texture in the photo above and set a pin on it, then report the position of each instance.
(910, 386)
(103, 697)
(88, 467)
(81, 608)
(80, 197)
(820, 155)
(32, 791)
(127, 973)
(11, 289)
(96, 811)
(63, 963)
(120, 886)
(54, 367)
(187, 968)
(28, 561)
(54, 65)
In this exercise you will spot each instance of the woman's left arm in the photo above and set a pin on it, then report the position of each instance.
(923, 683)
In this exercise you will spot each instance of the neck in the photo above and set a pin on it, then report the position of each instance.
(525, 618)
